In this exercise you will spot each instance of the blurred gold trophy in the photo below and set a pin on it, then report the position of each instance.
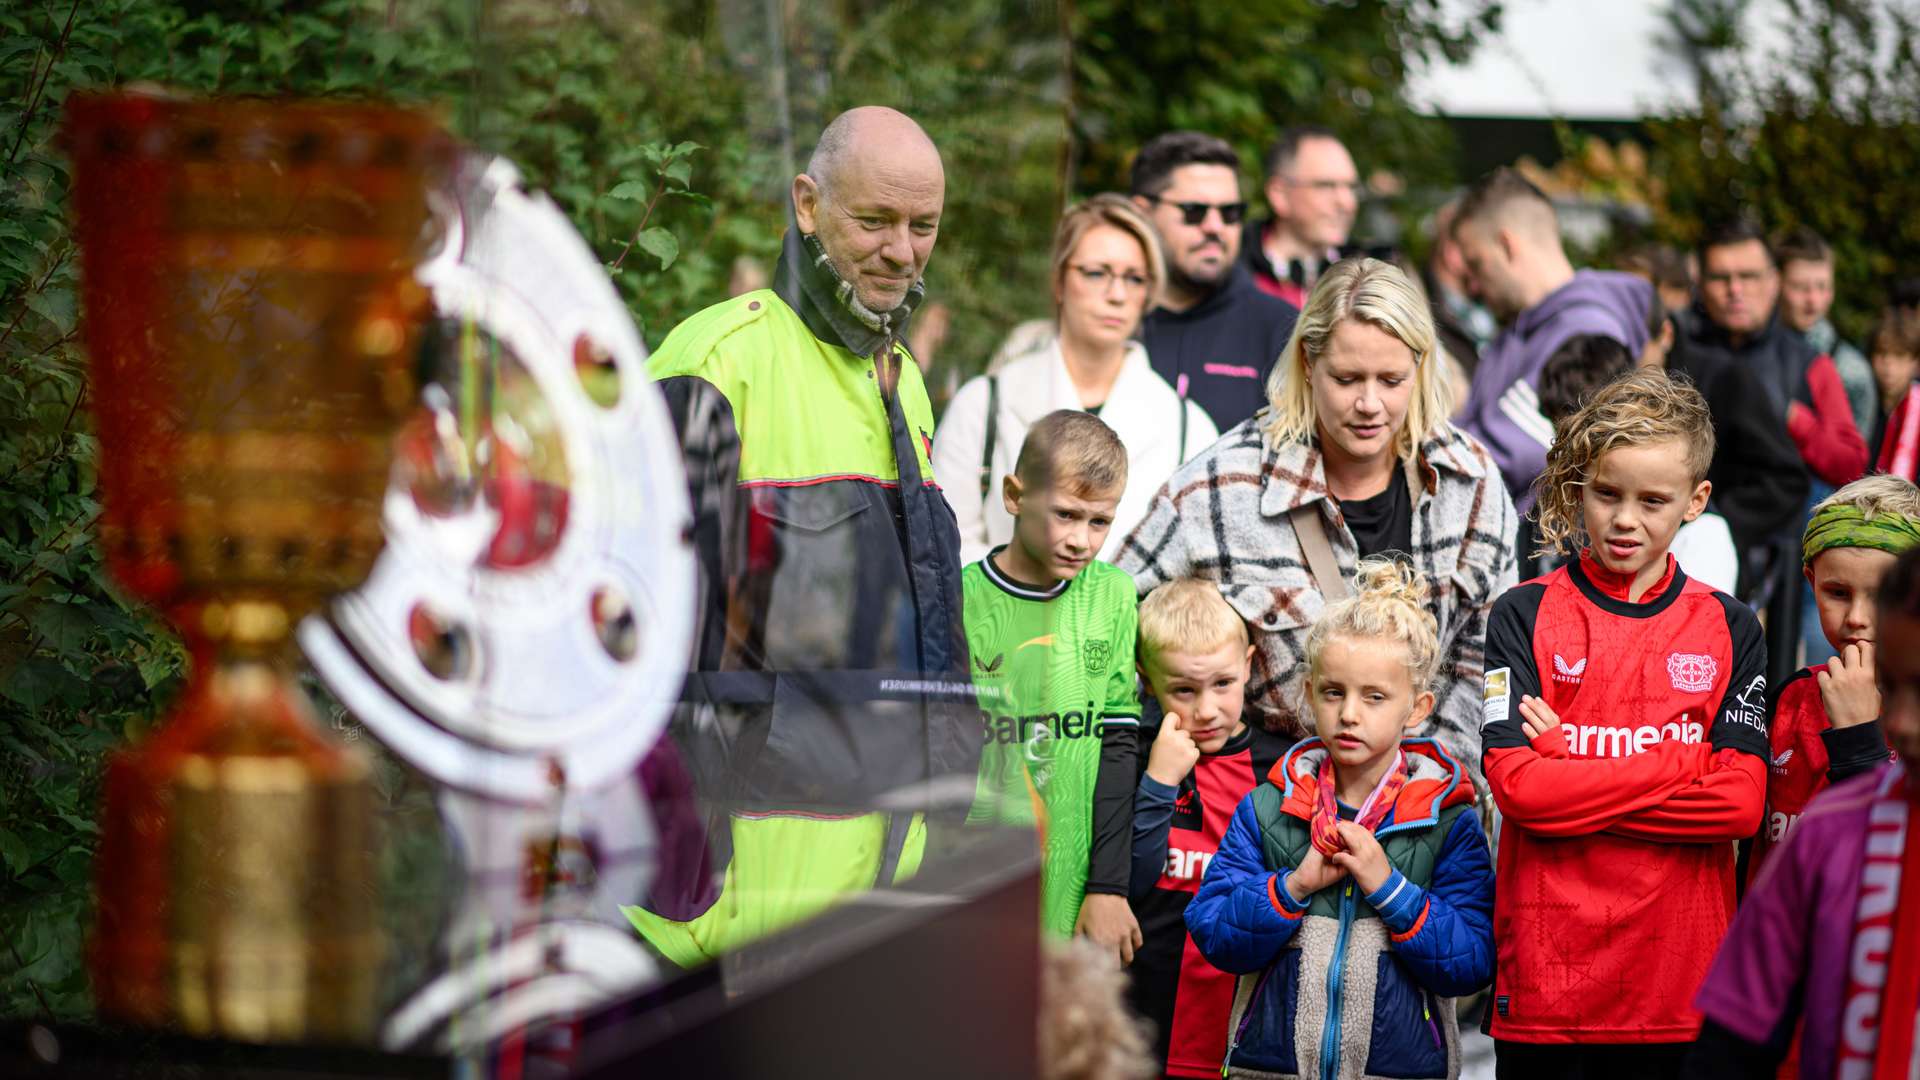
(251, 315)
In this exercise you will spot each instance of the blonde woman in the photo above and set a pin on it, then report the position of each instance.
(1353, 457)
(1107, 268)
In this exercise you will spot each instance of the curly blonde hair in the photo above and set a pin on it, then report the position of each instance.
(1637, 409)
(1380, 295)
(1389, 601)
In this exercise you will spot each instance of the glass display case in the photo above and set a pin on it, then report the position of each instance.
(529, 728)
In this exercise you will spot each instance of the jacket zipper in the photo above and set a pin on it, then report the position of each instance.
(1336, 972)
(1246, 1018)
(1426, 1011)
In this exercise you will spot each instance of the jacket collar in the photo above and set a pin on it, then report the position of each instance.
(809, 284)
(1822, 336)
(1295, 474)
(1038, 384)
(1434, 782)
(1705, 331)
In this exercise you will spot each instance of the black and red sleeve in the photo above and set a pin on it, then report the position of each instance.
(1740, 721)
(1511, 670)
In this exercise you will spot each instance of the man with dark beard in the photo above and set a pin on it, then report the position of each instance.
(1213, 335)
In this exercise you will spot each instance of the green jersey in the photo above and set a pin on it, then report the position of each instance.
(1054, 670)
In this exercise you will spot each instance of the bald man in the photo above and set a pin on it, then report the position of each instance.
(832, 665)
(1509, 239)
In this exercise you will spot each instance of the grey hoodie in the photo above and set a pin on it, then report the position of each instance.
(1503, 407)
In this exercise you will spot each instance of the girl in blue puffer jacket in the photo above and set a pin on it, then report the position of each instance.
(1353, 892)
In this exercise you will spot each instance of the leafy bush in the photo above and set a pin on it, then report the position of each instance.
(1823, 135)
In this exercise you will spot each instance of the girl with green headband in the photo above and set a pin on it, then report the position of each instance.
(1825, 724)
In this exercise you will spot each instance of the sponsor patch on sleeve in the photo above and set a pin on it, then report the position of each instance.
(1495, 696)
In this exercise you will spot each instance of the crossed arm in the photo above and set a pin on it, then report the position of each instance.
(1672, 792)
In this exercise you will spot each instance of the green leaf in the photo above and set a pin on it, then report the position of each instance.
(683, 149)
(660, 244)
(80, 824)
(680, 171)
(14, 851)
(39, 682)
(631, 190)
(63, 626)
(54, 305)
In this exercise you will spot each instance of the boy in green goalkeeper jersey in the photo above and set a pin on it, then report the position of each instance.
(1051, 632)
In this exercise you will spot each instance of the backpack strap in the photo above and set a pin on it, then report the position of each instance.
(1311, 531)
(993, 430)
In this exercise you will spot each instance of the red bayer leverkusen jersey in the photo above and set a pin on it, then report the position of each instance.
(1187, 1000)
(1800, 758)
(1615, 877)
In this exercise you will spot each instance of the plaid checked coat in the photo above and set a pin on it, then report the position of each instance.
(1223, 516)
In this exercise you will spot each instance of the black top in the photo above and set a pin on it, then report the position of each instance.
(1219, 351)
(1759, 482)
(1383, 523)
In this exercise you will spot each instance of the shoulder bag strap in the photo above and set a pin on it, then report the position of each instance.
(993, 430)
(1311, 531)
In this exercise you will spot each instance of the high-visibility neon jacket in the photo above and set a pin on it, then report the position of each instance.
(831, 664)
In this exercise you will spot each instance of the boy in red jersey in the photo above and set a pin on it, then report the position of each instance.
(1823, 725)
(1194, 655)
(1623, 739)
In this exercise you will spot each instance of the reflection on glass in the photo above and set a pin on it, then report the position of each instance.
(444, 648)
(431, 460)
(614, 624)
(525, 461)
(598, 375)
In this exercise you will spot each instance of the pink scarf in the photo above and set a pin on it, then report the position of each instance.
(1883, 972)
(1325, 825)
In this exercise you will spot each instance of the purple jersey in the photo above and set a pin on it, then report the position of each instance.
(1791, 936)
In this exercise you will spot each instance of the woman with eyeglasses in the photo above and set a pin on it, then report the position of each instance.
(1107, 269)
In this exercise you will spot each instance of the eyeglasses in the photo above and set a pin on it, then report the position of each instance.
(1101, 278)
(1193, 213)
(1329, 187)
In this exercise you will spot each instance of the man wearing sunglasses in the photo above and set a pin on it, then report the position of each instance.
(1314, 190)
(1213, 334)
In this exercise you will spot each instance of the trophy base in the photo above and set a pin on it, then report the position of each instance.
(236, 854)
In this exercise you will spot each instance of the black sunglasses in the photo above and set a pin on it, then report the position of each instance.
(1193, 213)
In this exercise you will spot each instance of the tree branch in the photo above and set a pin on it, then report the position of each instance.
(40, 91)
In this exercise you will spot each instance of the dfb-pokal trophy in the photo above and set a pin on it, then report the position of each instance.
(253, 319)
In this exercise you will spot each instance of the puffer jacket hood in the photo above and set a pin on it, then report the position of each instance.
(1435, 781)
(1347, 984)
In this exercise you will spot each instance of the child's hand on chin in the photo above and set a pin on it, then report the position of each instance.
(1109, 922)
(1848, 690)
(1174, 752)
(1364, 858)
(1313, 874)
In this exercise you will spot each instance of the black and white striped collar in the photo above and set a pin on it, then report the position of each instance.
(1018, 589)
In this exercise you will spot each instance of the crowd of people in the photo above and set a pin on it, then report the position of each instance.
(1359, 637)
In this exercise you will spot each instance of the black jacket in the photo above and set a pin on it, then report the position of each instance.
(1778, 357)
(1759, 482)
(1219, 351)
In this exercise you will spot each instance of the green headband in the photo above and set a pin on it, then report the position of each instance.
(1843, 525)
